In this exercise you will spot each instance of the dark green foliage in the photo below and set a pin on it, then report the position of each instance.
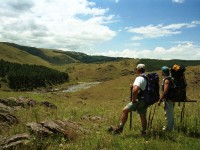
(30, 50)
(30, 76)
(70, 56)
(81, 57)
(155, 64)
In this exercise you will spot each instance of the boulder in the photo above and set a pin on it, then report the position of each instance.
(49, 105)
(18, 140)
(21, 101)
(4, 108)
(39, 130)
(67, 129)
(6, 117)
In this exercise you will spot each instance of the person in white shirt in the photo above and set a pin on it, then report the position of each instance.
(137, 104)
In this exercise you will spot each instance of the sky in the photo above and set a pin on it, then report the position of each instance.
(155, 29)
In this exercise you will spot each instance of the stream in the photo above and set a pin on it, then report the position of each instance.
(81, 86)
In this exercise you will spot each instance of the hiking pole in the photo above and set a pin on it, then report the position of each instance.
(153, 115)
(182, 112)
(189, 100)
(131, 96)
(149, 118)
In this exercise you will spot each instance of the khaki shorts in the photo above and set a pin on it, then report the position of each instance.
(139, 106)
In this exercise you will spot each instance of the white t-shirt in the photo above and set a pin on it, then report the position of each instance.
(141, 82)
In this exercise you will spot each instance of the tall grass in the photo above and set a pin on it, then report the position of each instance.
(106, 101)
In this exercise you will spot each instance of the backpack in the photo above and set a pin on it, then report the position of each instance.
(177, 91)
(151, 92)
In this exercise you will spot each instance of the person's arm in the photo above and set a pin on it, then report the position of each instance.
(135, 93)
(166, 89)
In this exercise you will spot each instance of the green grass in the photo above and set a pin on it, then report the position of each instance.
(106, 100)
(12, 54)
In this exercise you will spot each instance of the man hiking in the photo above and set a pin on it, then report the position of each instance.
(168, 104)
(137, 102)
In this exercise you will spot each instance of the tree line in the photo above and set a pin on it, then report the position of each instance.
(28, 77)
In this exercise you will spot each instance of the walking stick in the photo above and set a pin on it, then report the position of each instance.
(149, 118)
(153, 115)
(131, 96)
(182, 112)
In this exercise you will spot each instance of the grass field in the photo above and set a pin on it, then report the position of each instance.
(106, 101)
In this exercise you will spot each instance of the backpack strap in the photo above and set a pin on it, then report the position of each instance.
(141, 93)
(170, 86)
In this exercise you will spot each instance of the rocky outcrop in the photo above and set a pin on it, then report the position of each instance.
(67, 129)
(25, 102)
(18, 140)
(6, 115)
(49, 105)
(7, 108)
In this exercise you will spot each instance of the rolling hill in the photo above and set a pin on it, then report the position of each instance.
(31, 55)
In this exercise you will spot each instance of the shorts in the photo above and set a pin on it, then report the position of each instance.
(139, 106)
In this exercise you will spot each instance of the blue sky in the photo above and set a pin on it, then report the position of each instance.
(157, 29)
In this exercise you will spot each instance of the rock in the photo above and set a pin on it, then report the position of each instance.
(49, 105)
(26, 101)
(67, 129)
(8, 118)
(19, 140)
(9, 102)
(22, 101)
(38, 129)
(4, 108)
(6, 115)
(53, 127)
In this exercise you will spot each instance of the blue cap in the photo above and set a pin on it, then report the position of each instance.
(165, 70)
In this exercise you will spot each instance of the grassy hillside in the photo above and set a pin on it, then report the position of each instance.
(55, 57)
(46, 55)
(13, 54)
(106, 101)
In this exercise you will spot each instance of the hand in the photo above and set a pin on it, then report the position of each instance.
(134, 101)
(159, 102)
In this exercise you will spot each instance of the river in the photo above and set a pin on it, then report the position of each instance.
(81, 86)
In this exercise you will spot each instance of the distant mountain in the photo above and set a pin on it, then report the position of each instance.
(31, 55)
(155, 64)
(47, 57)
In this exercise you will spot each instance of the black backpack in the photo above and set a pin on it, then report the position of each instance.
(177, 91)
(151, 92)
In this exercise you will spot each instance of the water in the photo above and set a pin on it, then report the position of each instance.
(81, 86)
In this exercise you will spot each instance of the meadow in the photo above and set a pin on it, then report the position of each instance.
(105, 101)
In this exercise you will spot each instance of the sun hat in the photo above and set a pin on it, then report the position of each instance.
(141, 66)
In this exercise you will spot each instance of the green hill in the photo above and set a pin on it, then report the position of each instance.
(45, 56)
(30, 55)
(16, 55)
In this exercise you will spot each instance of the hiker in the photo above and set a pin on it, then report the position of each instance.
(168, 104)
(137, 103)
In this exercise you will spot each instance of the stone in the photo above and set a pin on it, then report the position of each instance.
(18, 140)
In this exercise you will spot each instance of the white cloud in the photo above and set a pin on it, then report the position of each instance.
(136, 38)
(116, 1)
(68, 24)
(184, 51)
(178, 1)
(160, 30)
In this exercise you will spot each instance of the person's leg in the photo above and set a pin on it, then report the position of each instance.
(143, 123)
(130, 107)
(142, 110)
(169, 115)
